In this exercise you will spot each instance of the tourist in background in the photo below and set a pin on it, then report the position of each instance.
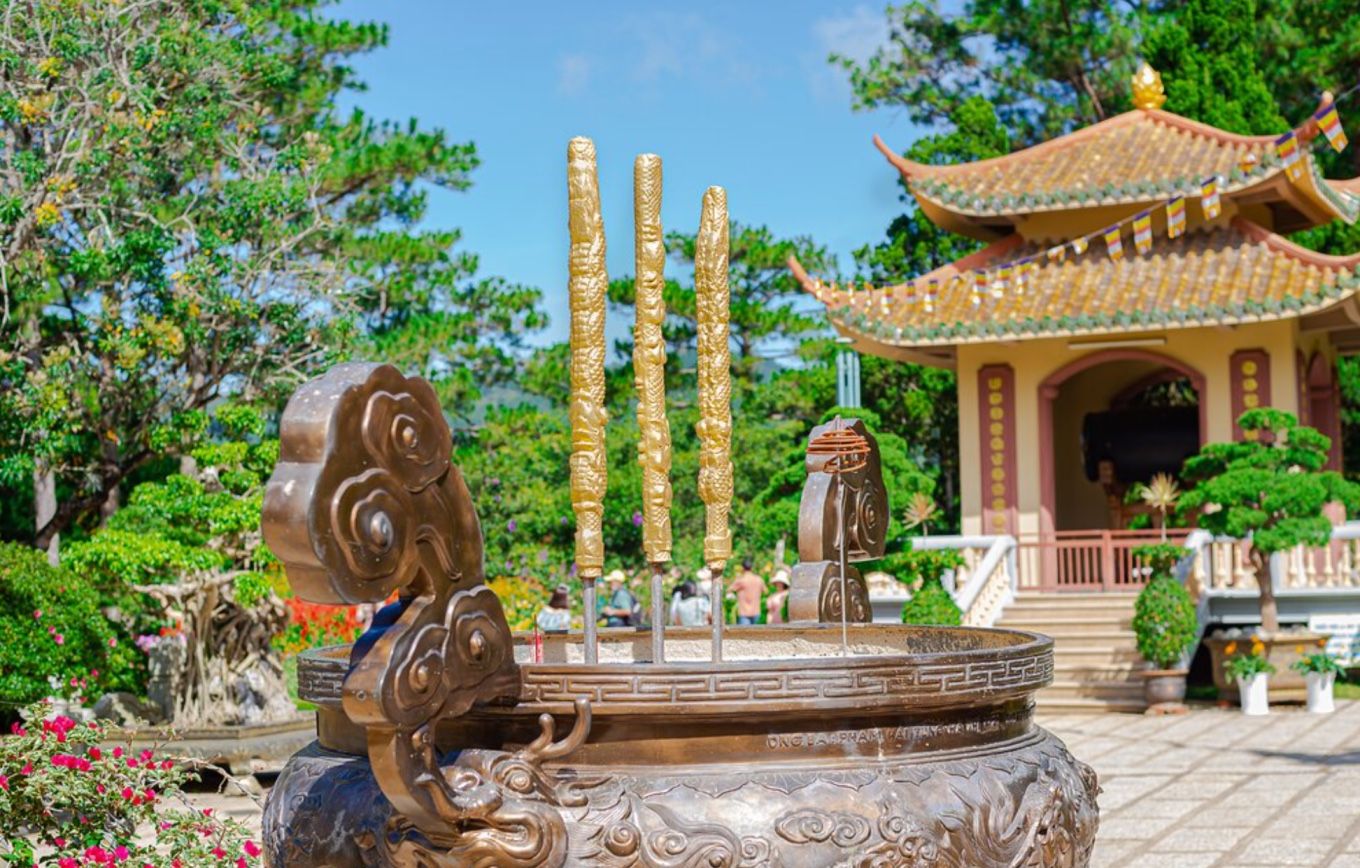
(556, 616)
(749, 588)
(774, 604)
(618, 612)
(693, 608)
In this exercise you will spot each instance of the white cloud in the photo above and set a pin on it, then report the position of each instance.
(855, 34)
(685, 46)
(573, 74)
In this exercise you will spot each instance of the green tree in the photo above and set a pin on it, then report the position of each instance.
(185, 214)
(769, 311)
(1270, 488)
(184, 565)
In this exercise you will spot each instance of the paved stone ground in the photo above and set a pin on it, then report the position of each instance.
(1210, 788)
(1218, 788)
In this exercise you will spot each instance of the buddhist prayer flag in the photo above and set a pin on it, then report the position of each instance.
(1142, 232)
(1057, 254)
(1287, 146)
(1330, 124)
(1114, 242)
(1079, 245)
(932, 287)
(980, 282)
(1208, 197)
(1175, 217)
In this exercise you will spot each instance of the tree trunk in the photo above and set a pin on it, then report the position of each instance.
(112, 497)
(45, 507)
(1270, 611)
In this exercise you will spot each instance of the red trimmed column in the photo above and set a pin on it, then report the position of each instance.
(1324, 405)
(996, 431)
(1250, 383)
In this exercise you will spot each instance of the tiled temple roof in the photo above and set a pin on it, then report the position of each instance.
(1144, 155)
(1234, 274)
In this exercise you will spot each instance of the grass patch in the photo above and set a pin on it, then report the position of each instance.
(1346, 690)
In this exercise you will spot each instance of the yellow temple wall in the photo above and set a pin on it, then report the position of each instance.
(1207, 350)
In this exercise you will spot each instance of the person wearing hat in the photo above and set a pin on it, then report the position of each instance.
(618, 612)
(774, 604)
(556, 616)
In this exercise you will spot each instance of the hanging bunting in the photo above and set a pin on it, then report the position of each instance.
(1057, 254)
(1079, 245)
(932, 286)
(1142, 232)
(1287, 146)
(1208, 197)
(1330, 124)
(1113, 242)
(1002, 282)
(1247, 163)
(1175, 217)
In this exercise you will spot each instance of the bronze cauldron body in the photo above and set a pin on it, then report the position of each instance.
(445, 741)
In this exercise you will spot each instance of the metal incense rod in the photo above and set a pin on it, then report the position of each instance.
(845, 595)
(649, 375)
(586, 287)
(592, 649)
(658, 614)
(713, 302)
(718, 611)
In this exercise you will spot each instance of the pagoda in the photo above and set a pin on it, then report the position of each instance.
(1135, 297)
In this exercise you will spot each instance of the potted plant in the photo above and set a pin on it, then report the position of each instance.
(1319, 673)
(1251, 672)
(1165, 626)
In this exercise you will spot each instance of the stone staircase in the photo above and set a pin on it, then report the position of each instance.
(1095, 658)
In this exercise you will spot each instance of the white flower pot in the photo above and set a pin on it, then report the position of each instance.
(1320, 691)
(1252, 689)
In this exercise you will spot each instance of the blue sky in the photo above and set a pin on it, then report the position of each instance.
(737, 94)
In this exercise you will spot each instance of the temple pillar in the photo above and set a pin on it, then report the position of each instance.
(997, 447)
(1249, 382)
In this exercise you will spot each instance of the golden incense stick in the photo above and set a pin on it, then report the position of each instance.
(586, 289)
(649, 360)
(715, 384)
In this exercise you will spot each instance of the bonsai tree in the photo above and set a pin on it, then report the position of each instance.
(930, 603)
(1164, 621)
(1270, 489)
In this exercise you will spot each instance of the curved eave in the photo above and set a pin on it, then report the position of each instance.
(1334, 297)
(1311, 201)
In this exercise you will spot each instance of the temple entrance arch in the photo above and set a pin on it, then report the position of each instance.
(1106, 421)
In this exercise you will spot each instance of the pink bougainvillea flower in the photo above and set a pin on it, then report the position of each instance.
(67, 862)
(120, 853)
(96, 753)
(252, 849)
(27, 769)
(113, 641)
(127, 794)
(4, 782)
(219, 853)
(118, 753)
(37, 613)
(59, 639)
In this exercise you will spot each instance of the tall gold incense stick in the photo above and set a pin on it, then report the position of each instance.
(649, 372)
(715, 392)
(586, 289)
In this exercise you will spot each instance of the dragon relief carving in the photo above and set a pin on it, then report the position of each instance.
(365, 502)
(815, 594)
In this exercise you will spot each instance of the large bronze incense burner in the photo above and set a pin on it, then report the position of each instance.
(443, 740)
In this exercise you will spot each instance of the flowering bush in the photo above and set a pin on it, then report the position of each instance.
(51, 629)
(67, 802)
(1244, 666)
(521, 598)
(1321, 662)
(314, 625)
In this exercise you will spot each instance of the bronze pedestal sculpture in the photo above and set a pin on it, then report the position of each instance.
(442, 742)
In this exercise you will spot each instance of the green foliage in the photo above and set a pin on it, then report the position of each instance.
(1321, 662)
(51, 626)
(65, 800)
(1160, 558)
(1207, 55)
(1244, 666)
(920, 566)
(932, 604)
(1164, 622)
(186, 214)
(1271, 487)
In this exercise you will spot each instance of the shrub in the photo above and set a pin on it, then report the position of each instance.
(932, 604)
(51, 627)
(1164, 622)
(67, 801)
(921, 566)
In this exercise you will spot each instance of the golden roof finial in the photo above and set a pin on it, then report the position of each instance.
(1147, 88)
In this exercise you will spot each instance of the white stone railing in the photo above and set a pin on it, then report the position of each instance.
(985, 584)
(1219, 565)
